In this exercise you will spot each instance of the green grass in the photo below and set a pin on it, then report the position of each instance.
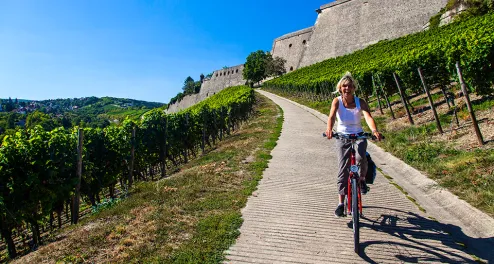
(425, 101)
(190, 217)
(468, 174)
(393, 98)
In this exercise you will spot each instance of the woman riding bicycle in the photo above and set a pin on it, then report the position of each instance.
(349, 109)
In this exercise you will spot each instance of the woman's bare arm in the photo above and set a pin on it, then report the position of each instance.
(369, 120)
(332, 117)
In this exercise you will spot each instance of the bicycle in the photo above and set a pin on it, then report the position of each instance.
(354, 197)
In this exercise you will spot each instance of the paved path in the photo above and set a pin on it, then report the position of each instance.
(290, 218)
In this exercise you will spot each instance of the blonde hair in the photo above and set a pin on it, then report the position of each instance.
(347, 78)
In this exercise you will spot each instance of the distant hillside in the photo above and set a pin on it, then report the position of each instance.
(103, 101)
(86, 111)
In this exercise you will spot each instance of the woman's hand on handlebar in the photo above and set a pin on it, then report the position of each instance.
(378, 135)
(329, 133)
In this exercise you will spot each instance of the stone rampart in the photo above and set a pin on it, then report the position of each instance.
(291, 47)
(346, 26)
(223, 78)
(220, 80)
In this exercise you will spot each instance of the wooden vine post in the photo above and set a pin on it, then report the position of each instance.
(445, 96)
(132, 151)
(186, 159)
(222, 118)
(469, 105)
(403, 100)
(377, 95)
(203, 143)
(228, 122)
(215, 127)
(431, 103)
(163, 170)
(386, 98)
(77, 194)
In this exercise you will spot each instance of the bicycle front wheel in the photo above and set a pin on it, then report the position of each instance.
(355, 216)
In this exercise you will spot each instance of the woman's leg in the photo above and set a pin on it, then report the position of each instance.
(343, 149)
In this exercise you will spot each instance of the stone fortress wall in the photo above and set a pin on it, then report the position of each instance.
(220, 80)
(291, 47)
(341, 27)
(345, 26)
(223, 78)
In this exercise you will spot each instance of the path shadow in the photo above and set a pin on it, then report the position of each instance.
(419, 228)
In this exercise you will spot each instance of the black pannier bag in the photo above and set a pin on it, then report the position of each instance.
(371, 170)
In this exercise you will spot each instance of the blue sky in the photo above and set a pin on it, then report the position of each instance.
(133, 49)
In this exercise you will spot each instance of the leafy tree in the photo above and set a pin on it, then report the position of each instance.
(65, 121)
(188, 87)
(9, 106)
(11, 121)
(197, 87)
(42, 119)
(3, 126)
(275, 66)
(255, 66)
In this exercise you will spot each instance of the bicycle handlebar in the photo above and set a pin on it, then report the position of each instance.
(352, 136)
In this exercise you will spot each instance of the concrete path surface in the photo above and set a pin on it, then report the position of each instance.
(290, 218)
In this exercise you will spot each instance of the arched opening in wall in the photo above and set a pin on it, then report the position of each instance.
(291, 68)
(236, 71)
(216, 75)
(304, 42)
(290, 45)
(221, 73)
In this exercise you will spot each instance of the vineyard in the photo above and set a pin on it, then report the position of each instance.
(42, 172)
(435, 51)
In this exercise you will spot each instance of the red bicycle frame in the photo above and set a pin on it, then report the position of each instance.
(353, 175)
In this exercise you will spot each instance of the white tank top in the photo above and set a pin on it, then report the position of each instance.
(349, 119)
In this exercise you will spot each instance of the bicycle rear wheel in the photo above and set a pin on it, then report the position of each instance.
(355, 216)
